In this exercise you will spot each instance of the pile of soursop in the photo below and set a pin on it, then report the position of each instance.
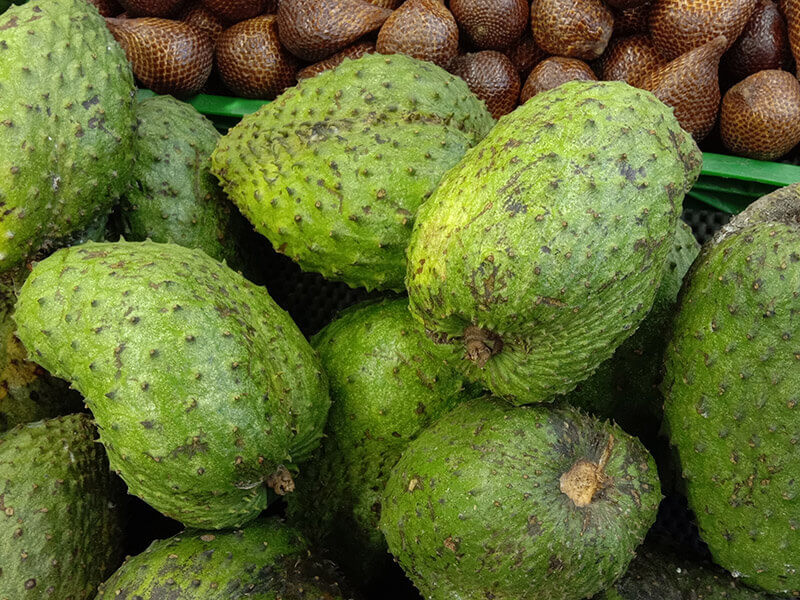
(545, 353)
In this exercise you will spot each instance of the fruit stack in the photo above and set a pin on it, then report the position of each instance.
(490, 425)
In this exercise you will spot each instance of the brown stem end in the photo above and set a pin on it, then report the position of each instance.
(585, 479)
(281, 481)
(481, 344)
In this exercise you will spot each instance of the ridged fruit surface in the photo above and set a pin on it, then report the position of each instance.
(554, 71)
(491, 24)
(538, 275)
(64, 162)
(492, 77)
(573, 28)
(690, 84)
(763, 45)
(168, 57)
(204, 390)
(730, 385)
(355, 51)
(251, 61)
(60, 532)
(332, 172)
(151, 8)
(388, 383)
(264, 561)
(791, 10)
(679, 26)
(202, 18)
(234, 11)
(316, 29)
(423, 29)
(494, 501)
(525, 54)
(760, 115)
(628, 59)
(631, 21)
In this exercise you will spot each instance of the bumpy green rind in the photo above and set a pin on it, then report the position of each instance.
(66, 124)
(266, 560)
(60, 529)
(550, 235)
(658, 575)
(332, 172)
(200, 384)
(731, 395)
(625, 387)
(474, 510)
(173, 197)
(388, 382)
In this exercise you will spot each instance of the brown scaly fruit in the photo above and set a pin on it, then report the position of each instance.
(151, 8)
(251, 61)
(763, 45)
(107, 8)
(632, 20)
(760, 115)
(234, 11)
(169, 57)
(525, 54)
(390, 4)
(573, 28)
(491, 24)
(626, 4)
(690, 84)
(205, 20)
(630, 58)
(423, 29)
(316, 29)
(678, 26)
(791, 10)
(492, 77)
(552, 72)
(355, 51)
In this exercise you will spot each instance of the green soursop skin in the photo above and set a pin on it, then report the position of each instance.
(625, 387)
(204, 390)
(66, 124)
(266, 560)
(173, 196)
(388, 382)
(60, 531)
(332, 172)
(503, 502)
(731, 394)
(542, 250)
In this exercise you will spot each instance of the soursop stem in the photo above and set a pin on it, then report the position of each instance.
(281, 481)
(481, 344)
(586, 478)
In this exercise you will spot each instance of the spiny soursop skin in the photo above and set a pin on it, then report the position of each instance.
(388, 382)
(625, 387)
(503, 502)
(266, 560)
(173, 197)
(60, 529)
(66, 124)
(542, 250)
(332, 172)
(204, 390)
(730, 386)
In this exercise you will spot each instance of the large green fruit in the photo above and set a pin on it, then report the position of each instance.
(66, 124)
(204, 390)
(542, 250)
(266, 560)
(731, 390)
(625, 387)
(332, 172)
(60, 529)
(503, 502)
(173, 196)
(388, 382)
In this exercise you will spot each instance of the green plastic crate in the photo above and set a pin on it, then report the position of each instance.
(727, 183)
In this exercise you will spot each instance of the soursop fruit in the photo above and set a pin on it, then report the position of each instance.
(503, 502)
(204, 390)
(388, 382)
(332, 172)
(730, 386)
(542, 250)
(266, 560)
(66, 124)
(625, 387)
(173, 197)
(60, 532)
